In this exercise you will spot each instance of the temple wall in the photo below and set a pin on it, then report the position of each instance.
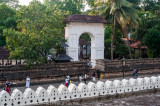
(108, 66)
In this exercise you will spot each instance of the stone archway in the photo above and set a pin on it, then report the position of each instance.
(76, 25)
(85, 47)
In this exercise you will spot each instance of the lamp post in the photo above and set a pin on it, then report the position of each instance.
(123, 64)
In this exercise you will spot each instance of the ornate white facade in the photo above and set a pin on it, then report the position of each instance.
(74, 30)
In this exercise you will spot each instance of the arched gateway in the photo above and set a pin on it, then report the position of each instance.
(76, 25)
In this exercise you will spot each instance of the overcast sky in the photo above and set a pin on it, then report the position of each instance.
(26, 2)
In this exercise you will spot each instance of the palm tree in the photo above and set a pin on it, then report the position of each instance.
(121, 11)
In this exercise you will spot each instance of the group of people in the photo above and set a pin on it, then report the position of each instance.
(7, 87)
(67, 81)
(94, 75)
(80, 78)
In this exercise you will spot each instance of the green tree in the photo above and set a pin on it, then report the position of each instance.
(11, 3)
(121, 11)
(6, 12)
(152, 41)
(37, 34)
(91, 3)
(120, 48)
(150, 18)
(7, 20)
(107, 41)
(86, 37)
(72, 6)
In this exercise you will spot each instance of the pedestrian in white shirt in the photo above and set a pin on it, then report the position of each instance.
(27, 82)
(80, 79)
(66, 82)
(85, 78)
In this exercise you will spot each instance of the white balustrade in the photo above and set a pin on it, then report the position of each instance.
(73, 89)
(134, 84)
(150, 83)
(64, 92)
(53, 94)
(93, 89)
(127, 85)
(142, 83)
(30, 97)
(42, 95)
(111, 88)
(5, 99)
(156, 81)
(119, 86)
(17, 97)
(102, 88)
(84, 91)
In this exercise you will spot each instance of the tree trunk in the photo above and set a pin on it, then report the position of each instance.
(114, 32)
(125, 31)
(140, 51)
(129, 48)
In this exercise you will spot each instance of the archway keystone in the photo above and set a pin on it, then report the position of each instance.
(76, 25)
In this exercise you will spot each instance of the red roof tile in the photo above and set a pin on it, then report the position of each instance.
(125, 39)
(135, 45)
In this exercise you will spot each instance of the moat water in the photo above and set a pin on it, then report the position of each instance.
(145, 100)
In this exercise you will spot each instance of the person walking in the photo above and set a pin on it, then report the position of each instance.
(27, 82)
(94, 76)
(80, 78)
(135, 73)
(7, 89)
(7, 82)
(98, 74)
(85, 78)
(66, 82)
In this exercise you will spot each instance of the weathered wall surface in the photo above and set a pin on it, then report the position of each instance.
(20, 72)
(108, 66)
(74, 30)
(60, 70)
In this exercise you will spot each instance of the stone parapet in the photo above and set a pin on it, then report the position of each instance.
(109, 66)
(20, 72)
(90, 91)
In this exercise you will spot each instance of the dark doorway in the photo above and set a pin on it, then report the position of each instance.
(85, 47)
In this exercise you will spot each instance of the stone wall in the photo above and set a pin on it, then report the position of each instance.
(108, 66)
(20, 72)
(60, 70)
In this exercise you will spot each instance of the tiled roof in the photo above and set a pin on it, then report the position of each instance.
(4, 53)
(125, 39)
(135, 45)
(85, 19)
(63, 57)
